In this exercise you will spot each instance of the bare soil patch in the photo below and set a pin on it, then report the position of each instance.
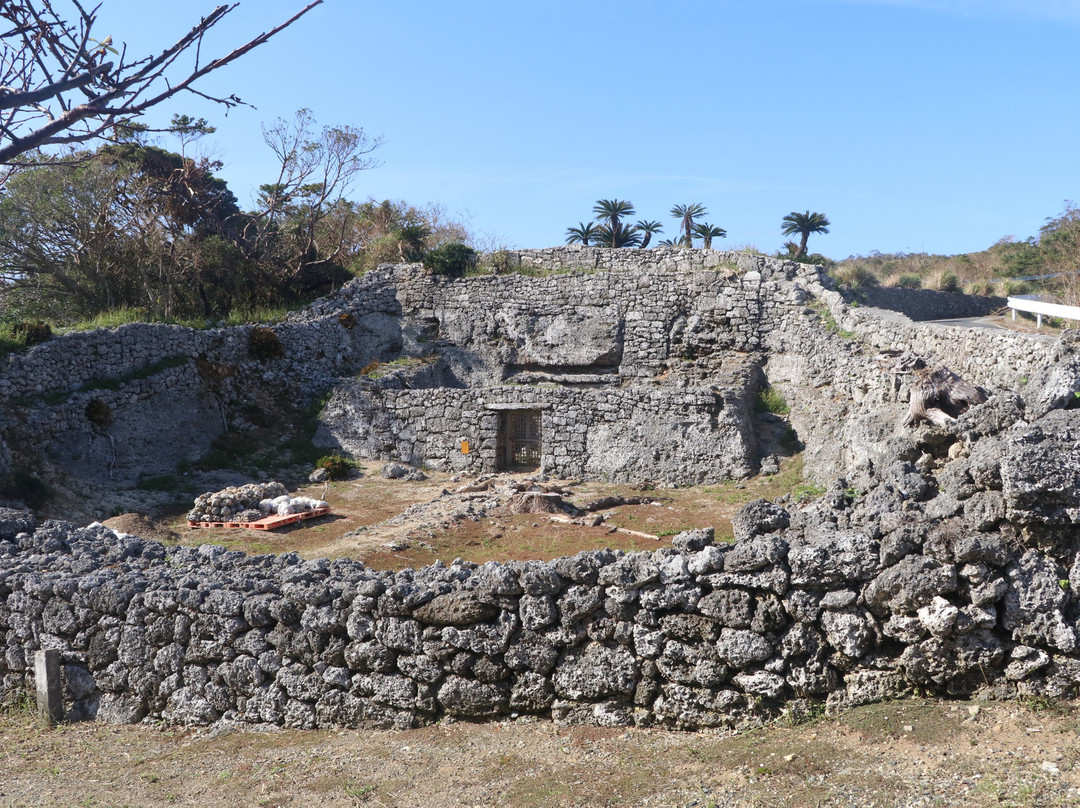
(908, 753)
(136, 524)
(392, 524)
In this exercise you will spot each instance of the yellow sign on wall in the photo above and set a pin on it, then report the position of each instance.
(464, 447)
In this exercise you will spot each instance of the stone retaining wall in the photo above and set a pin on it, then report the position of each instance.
(689, 636)
(929, 304)
(664, 318)
(682, 437)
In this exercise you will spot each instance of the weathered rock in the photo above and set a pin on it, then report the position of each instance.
(1025, 661)
(910, 585)
(684, 707)
(458, 608)
(958, 664)
(741, 648)
(1041, 471)
(755, 553)
(828, 559)
(729, 607)
(13, 522)
(693, 541)
(758, 517)
(467, 697)
(596, 672)
(985, 510)
(870, 686)
(939, 617)
(849, 632)
(1035, 603)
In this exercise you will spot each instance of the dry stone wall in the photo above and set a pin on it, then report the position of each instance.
(687, 323)
(168, 391)
(949, 565)
(855, 599)
(664, 344)
(929, 304)
(682, 437)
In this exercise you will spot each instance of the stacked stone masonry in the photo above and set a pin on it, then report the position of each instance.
(946, 562)
(687, 329)
(691, 636)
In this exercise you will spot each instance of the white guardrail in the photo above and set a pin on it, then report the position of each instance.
(1039, 307)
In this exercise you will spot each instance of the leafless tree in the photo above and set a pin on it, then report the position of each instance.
(316, 169)
(59, 85)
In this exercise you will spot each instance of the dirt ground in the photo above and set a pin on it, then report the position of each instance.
(908, 753)
(391, 524)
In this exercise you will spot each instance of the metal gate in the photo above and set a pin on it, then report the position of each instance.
(519, 439)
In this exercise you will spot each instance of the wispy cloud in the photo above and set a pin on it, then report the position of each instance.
(1068, 10)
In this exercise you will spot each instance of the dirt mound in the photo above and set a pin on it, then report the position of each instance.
(138, 525)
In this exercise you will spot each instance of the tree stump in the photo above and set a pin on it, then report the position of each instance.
(940, 397)
(537, 502)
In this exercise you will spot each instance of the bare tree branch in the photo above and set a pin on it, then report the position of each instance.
(45, 58)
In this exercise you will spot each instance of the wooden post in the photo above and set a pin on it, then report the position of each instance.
(50, 701)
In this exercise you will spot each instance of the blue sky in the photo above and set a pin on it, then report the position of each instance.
(914, 125)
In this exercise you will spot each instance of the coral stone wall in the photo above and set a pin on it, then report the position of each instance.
(619, 434)
(679, 328)
(869, 606)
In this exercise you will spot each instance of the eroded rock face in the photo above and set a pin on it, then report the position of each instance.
(13, 522)
(1040, 472)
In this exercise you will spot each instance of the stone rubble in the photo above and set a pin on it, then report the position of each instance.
(229, 503)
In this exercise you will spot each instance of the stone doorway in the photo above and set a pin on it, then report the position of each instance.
(519, 440)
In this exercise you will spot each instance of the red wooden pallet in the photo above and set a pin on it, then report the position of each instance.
(267, 522)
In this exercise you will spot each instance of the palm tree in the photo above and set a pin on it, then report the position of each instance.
(611, 211)
(412, 239)
(582, 234)
(647, 229)
(623, 237)
(687, 214)
(804, 224)
(707, 232)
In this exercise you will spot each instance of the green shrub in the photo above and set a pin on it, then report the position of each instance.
(32, 333)
(337, 466)
(855, 276)
(263, 344)
(501, 262)
(25, 487)
(451, 260)
(771, 400)
(1015, 288)
(950, 282)
(909, 280)
(98, 412)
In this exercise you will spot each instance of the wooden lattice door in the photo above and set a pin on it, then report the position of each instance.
(520, 439)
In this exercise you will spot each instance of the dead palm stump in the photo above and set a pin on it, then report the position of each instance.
(940, 397)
